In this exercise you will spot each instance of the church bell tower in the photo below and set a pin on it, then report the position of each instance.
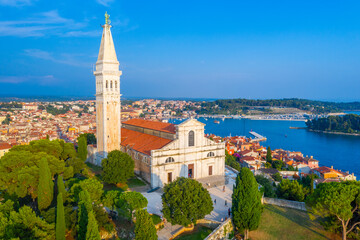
(108, 105)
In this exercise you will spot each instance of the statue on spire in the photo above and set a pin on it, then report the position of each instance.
(107, 20)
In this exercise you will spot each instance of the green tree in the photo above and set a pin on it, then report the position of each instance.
(118, 167)
(340, 200)
(131, 201)
(278, 164)
(230, 160)
(60, 218)
(92, 230)
(46, 185)
(291, 190)
(7, 120)
(110, 199)
(144, 226)
(277, 177)
(267, 186)
(23, 224)
(269, 155)
(92, 186)
(246, 202)
(82, 148)
(83, 214)
(90, 138)
(61, 187)
(185, 201)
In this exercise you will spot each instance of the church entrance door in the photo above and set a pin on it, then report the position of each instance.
(191, 170)
(169, 177)
(210, 170)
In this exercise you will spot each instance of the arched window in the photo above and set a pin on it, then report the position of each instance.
(110, 84)
(210, 154)
(107, 83)
(191, 138)
(169, 160)
(116, 84)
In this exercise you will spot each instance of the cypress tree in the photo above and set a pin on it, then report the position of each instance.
(61, 187)
(144, 226)
(246, 202)
(268, 155)
(92, 230)
(60, 219)
(46, 185)
(83, 218)
(82, 148)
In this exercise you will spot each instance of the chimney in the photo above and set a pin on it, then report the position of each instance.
(311, 157)
(332, 167)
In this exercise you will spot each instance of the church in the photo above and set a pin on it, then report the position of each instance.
(161, 151)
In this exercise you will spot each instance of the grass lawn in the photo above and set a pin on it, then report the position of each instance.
(96, 169)
(285, 223)
(199, 233)
(135, 182)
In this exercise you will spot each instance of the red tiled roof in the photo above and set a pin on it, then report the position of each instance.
(4, 146)
(142, 142)
(159, 126)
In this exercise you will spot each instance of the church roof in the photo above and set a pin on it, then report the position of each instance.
(142, 142)
(159, 126)
(107, 48)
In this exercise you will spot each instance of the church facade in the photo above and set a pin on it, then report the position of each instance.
(161, 151)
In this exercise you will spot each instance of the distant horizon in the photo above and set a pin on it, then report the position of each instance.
(74, 98)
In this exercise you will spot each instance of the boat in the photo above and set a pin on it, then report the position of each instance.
(216, 121)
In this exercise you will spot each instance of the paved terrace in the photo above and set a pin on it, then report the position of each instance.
(219, 213)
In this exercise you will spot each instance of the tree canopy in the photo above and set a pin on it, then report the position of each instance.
(291, 190)
(82, 148)
(340, 200)
(246, 202)
(349, 123)
(118, 167)
(46, 185)
(23, 224)
(92, 186)
(185, 200)
(144, 226)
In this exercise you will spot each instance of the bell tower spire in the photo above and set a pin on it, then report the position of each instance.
(108, 105)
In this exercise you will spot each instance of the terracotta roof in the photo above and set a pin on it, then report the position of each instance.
(4, 146)
(159, 126)
(142, 142)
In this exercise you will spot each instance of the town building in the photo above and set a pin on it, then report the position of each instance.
(161, 151)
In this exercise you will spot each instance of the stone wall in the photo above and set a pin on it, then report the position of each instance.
(221, 232)
(284, 203)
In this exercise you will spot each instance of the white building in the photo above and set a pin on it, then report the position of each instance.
(164, 151)
(161, 151)
(107, 77)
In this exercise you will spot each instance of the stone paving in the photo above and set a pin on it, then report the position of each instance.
(219, 213)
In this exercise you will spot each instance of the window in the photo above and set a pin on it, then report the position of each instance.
(111, 84)
(106, 83)
(169, 160)
(210, 154)
(115, 84)
(191, 138)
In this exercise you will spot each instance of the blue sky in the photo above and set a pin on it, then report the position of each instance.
(194, 49)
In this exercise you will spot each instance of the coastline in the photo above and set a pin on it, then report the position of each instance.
(293, 120)
(337, 133)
